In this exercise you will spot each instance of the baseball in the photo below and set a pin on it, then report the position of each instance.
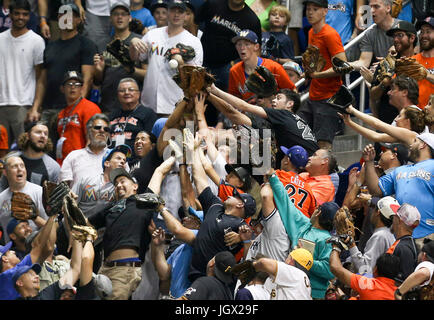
(173, 64)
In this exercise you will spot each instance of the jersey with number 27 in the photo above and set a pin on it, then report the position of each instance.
(299, 191)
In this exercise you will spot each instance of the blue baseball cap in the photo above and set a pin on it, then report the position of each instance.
(249, 203)
(125, 149)
(5, 248)
(328, 210)
(158, 126)
(246, 34)
(12, 224)
(297, 154)
(19, 271)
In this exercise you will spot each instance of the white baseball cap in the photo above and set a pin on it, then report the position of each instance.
(409, 215)
(428, 138)
(388, 206)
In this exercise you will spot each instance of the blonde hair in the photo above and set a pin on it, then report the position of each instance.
(281, 9)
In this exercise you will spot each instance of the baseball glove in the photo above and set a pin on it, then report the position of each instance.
(52, 196)
(80, 228)
(262, 82)
(342, 99)
(149, 200)
(136, 26)
(193, 79)
(427, 292)
(244, 271)
(341, 241)
(186, 52)
(121, 52)
(343, 222)
(23, 207)
(409, 67)
(396, 8)
(340, 66)
(386, 68)
(312, 60)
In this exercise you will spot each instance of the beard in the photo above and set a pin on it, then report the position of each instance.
(429, 118)
(35, 147)
(426, 46)
(414, 154)
(97, 143)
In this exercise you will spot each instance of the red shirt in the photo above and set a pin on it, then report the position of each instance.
(379, 288)
(237, 78)
(4, 144)
(329, 44)
(322, 187)
(75, 120)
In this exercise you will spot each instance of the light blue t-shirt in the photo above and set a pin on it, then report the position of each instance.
(7, 290)
(340, 17)
(145, 16)
(414, 184)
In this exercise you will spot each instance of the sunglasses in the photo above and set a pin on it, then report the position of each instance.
(106, 129)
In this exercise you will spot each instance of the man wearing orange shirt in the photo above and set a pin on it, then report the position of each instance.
(324, 84)
(71, 121)
(426, 58)
(248, 48)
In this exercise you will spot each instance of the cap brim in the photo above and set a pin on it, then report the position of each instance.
(198, 214)
(285, 150)
(6, 247)
(118, 172)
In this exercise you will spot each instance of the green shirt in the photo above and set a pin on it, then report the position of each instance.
(263, 17)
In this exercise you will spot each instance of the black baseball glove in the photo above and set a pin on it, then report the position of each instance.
(342, 99)
(341, 66)
(121, 52)
(244, 271)
(186, 52)
(262, 82)
(52, 196)
(149, 200)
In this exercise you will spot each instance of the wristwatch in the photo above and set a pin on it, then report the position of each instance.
(337, 249)
(164, 208)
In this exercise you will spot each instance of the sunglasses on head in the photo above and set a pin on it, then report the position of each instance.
(106, 129)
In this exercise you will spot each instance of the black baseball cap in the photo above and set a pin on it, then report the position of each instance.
(176, 4)
(224, 261)
(63, 9)
(400, 150)
(428, 20)
(402, 26)
(241, 173)
(428, 248)
(157, 4)
(321, 3)
(121, 172)
(72, 75)
(249, 203)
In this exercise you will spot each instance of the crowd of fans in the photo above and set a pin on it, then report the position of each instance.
(242, 179)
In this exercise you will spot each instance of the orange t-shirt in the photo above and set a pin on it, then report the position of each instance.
(426, 88)
(4, 144)
(322, 187)
(330, 44)
(237, 78)
(379, 288)
(299, 191)
(75, 128)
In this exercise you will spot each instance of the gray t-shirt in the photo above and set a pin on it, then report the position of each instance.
(376, 41)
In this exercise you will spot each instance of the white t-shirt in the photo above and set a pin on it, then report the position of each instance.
(259, 292)
(273, 241)
(102, 7)
(160, 92)
(290, 284)
(430, 266)
(18, 58)
(80, 164)
(34, 191)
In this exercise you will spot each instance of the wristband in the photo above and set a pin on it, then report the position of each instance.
(164, 208)
(398, 293)
(43, 23)
(247, 241)
(358, 183)
(337, 249)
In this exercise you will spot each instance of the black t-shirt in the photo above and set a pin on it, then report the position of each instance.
(61, 56)
(144, 173)
(221, 25)
(291, 130)
(210, 238)
(113, 73)
(280, 45)
(87, 292)
(131, 123)
(407, 252)
(124, 228)
(208, 288)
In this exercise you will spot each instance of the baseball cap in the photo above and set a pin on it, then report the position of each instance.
(118, 172)
(402, 26)
(224, 261)
(303, 257)
(241, 173)
(125, 149)
(157, 4)
(400, 150)
(197, 213)
(103, 285)
(176, 4)
(246, 34)
(328, 211)
(428, 248)
(388, 206)
(64, 8)
(409, 215)
(190, 6)
(12, 224)
(249, 203)
(428, 138)
(120, 4)
(321, 3)
(19, 271)
(427, 20)
(158, 126)
(72, 75)
(291, 65)
(5, 248)
(297, 154)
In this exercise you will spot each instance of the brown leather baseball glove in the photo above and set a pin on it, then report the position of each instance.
(23, 207)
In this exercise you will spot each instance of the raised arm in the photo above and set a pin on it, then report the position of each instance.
(87, 258)
(367, 133)
(229, 111)
(43, 244)
(182, 233)
(163, 269)
(371, 177)
(72, 275)
(208, 167)
(199, 175)
(338, 270)
(159, 175)
(415, 279)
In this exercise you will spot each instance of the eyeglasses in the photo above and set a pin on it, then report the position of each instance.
(73, 84)
(97, 128)
(127, 89)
